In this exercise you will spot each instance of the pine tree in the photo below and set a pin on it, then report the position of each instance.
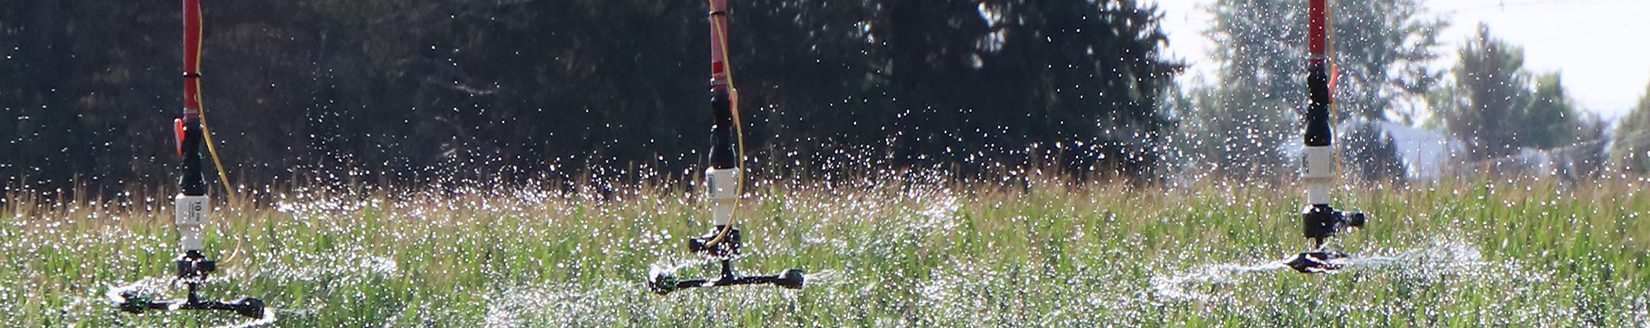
(1496, 107)
(1491, 86)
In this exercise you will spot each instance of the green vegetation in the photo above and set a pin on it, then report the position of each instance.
(881, 252)
(411, 90)
(1631, 150)
(1498, 107)
(1254, 107)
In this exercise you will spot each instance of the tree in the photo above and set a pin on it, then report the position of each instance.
(1631, 149)
(72, 104)
(1586, 158)
(1495, 110)
(1079, 78)
(1550, 119)
(1382, 51)
(1491, 85)
(1260, 45)
(1374, 162)
(428, 91)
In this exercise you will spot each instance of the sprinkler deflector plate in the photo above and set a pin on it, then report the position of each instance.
(664, 283)
(1317, 262)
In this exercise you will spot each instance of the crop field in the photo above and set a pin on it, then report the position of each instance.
(879, 252)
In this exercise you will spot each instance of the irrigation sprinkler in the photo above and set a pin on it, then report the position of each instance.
(1320, 222)
(192, 203)
(723, 179)
(724, 251)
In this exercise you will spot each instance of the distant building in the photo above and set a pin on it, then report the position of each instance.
(1425, 153)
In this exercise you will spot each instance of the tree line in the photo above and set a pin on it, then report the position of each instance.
(420, 91)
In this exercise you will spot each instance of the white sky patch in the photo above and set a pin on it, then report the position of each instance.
(1596, 45)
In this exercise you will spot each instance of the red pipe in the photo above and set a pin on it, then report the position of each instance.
(191, 58)
(718, 45)
(1318, 29)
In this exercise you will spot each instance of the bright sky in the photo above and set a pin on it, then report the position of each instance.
(1599, 46)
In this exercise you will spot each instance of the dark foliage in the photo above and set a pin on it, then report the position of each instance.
(419, 91)
(1372, 154)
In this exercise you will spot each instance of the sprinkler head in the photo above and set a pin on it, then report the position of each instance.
(133, 303)
(247, 307)
(195, 268)
(1355, 219)
(727, 247)
(791, 279)
(137, 304)
(1316, 262)
(661, 282)
(1321, 221)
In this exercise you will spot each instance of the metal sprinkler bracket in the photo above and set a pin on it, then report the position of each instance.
(722, 182)
(724, 252)
(193, 268)
(192, 203)
(1319, 221)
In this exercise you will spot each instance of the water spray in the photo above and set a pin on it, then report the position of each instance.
(1320, 222)
(723, 179)
(192, 203)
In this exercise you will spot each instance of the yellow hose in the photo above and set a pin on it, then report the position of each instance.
(206, 132)
(738, 128)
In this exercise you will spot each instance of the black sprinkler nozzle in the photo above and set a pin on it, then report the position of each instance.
(195, 267)
(791, 279)
(1320, 222)
(727, 246)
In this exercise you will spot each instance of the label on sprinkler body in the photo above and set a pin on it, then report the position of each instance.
(723, 183)
(191, 210)
(1318, 163)
(724, 191)
(191, 216)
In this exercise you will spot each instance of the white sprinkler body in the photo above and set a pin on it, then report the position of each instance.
(1318, 171)
(724, 192)
(191, 219)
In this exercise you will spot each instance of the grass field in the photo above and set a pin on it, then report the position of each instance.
(879, 252)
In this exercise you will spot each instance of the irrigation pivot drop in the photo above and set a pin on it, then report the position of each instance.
(192, 203)
(1319, 221)
(722, 180)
